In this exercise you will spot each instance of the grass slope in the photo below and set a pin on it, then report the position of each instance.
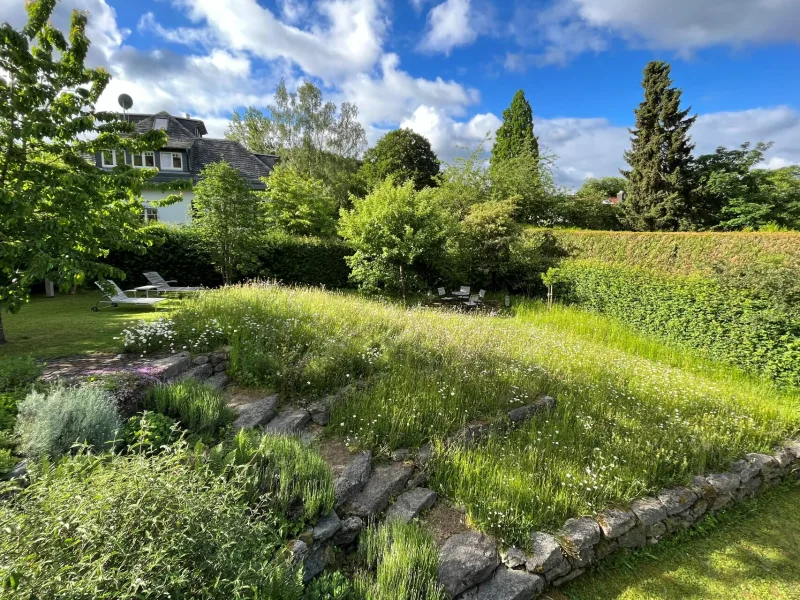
(754, 554)
(65, 325)
(628, 421)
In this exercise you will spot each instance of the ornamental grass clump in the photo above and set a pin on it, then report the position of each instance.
(51, 422)
(278, 475)
(198, 407)
(404, 559)
(133, 526)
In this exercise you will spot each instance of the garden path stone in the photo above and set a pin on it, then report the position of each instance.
(320, 412)
(288, 422)
(348, 532)
(677, 500)
(545, 553)
(470, 435)
(465, 560)
(507, 585)
(375, 495)
(579, 534)
(410, 504)
(254, 414)
(199, 372)
(513, 558)
(218, 380)
(326, 527)
(523, 413)
(615, 521)
(353, 477)
(649, 510)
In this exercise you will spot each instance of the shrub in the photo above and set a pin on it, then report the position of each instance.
(405, 560)
(49, 423)
(304, 260)
(8, 410)
(331, 586)
(291, 481)
(7, 461)
(18, 373)
(730, 324)
(138, 526)
(149, 431)
(198, 407)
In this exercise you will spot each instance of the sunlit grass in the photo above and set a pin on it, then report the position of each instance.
(632, 415)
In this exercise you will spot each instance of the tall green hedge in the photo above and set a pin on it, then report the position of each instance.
(179, 254)
(735, 325)
(679, 253)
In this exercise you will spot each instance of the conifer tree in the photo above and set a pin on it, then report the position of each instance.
(515, 136)
(659, 180)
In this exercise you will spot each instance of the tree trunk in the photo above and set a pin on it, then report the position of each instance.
(3, 339)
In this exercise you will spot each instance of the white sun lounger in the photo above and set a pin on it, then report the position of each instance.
(116, 296)
(162, 285)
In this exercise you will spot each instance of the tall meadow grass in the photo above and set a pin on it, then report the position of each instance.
(632, 414)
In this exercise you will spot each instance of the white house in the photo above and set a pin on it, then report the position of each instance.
(187, 152)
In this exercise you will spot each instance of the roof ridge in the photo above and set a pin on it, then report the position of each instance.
(179, 124)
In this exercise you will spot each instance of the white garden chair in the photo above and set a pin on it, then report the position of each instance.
(115, 296)
(163, 285)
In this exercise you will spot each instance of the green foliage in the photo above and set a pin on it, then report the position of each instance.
(227, 218)
(286, 481)
(304, 260)
(731, 324)
(515, 137)
(331, 586)
(404, 558)
(403, 155)
(18, 373)
(463, 183)
(196, 406)
(398, 235)
(124, 527)
(603, 188)
(149, 431)
(660, 158)
(529, 179)
(484, 246)
(7, 462)
(298, 204)
(319, 140)
(47, 121)
(50, 423)
(8, 410)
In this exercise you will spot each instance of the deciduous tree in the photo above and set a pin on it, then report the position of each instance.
(59, 213)
(227, 215)
(404, 155)
(298, 204)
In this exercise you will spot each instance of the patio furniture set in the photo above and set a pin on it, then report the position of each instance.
(461, 297)
(114, 295)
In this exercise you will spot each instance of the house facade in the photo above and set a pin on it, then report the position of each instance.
(182, 159)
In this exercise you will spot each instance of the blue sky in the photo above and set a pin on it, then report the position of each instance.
(448, 68)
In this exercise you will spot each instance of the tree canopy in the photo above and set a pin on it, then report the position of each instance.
(660, 158)
(515, 136)
(59, 213)
(298, 204)
(404, 155)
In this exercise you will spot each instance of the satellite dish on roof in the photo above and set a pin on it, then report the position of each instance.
(125, 101)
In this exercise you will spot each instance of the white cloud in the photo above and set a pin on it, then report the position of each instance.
(448, 136)
(594, 147)
(345, 37)
(449, 25)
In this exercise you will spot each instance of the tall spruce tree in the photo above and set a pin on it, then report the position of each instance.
(659, 180)
(515, 136)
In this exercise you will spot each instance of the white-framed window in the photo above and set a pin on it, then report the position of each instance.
(171, 161)
(150, 214)
(160, 123)
(145, 159)
(108, 158)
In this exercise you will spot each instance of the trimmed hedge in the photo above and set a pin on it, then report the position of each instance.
(730, 324)
(678, 253)
(179, 254)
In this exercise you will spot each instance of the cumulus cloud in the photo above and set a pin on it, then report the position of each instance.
(447, 136)
(449, 26)
(593, 147)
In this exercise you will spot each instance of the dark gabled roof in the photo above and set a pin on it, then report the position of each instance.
(253, 167)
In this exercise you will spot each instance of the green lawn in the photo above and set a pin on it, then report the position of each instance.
(66, 325)
(753, 555)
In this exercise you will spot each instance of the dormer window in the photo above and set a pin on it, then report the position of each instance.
(144, 160)
(160, 123)
(108, 158)
(171, 161)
